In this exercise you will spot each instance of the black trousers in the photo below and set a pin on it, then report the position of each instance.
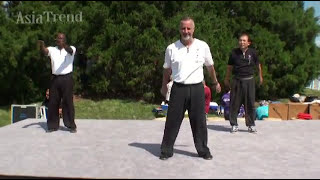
(182, 98)
(242, 92)
(61, 88)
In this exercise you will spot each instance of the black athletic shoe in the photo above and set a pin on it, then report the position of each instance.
(51, 130)
(164, 156)
(207, 156)
(73, 130)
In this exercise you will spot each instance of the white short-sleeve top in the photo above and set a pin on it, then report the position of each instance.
(61, 60)
(187, 63)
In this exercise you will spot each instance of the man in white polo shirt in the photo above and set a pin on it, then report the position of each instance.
(61, 85)
(185, 59)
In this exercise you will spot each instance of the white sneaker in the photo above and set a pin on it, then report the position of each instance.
(234, 129)
(252, 129)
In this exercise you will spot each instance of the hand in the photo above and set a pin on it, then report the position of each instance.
(41, 42)
(261, 81)
(64, 44)
(164, 90)
(218, 88)
(60, 112)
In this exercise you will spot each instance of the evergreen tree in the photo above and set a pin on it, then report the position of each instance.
(121, 45)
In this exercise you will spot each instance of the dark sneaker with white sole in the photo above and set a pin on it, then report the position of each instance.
(164, 156)
(73, 130)
(234, 129)
(252, 129)
(207, 156)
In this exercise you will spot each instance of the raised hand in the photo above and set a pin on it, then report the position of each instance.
(41, 42)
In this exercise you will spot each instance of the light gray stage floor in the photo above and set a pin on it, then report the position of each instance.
(131, 148)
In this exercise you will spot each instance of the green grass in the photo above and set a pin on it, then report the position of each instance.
(104, 109)
(5, 118)
(311, 92)
(113, 109)
(285, 100)
(116, 109)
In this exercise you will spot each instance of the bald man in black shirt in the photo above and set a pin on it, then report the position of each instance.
(242, 64)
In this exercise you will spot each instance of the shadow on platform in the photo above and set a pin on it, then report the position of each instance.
(154, 149)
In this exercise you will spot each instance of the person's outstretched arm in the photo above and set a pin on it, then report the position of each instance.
(43, 48)
(67, 48)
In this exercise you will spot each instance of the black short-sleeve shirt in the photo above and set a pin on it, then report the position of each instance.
(243, 63)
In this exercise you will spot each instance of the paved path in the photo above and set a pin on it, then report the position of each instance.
(130, 149)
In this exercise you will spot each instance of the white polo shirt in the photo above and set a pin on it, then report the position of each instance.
(187, 64)
(61, 60)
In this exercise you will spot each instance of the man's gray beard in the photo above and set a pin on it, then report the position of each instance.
(186, 38)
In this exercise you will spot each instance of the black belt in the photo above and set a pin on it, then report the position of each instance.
(56, 75)
(244, 78)
(181, 84)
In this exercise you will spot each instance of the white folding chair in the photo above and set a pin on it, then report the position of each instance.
(43, 112)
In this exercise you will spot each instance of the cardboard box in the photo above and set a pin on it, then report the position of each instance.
(278, 111)
(296, 108)
(314, 110)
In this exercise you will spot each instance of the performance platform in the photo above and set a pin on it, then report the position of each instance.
(130, 149)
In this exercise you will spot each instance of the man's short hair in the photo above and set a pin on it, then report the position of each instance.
(187, 18)
(245, 34)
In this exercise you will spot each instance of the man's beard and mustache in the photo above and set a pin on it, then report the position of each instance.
(186, 38)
